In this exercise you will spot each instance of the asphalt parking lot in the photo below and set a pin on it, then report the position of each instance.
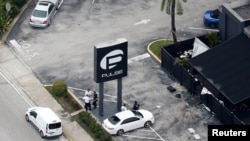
(64, 51)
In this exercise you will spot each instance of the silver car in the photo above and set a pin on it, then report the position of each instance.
(44, 12)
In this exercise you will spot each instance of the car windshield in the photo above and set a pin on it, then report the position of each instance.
(39, 13)
(114, 119)
(215, 14)
(138, 114)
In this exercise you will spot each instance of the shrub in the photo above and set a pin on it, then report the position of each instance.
(182, 62)
(6, 18)
(94, 127)
(59, 88)
(213, 39)
(19, 3)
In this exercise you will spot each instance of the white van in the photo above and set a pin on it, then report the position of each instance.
(45, 120)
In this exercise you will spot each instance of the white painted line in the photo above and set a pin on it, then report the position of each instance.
(86, 90)
(104, 94)
(76, 89)
(215, 30)
(60, 4)
(145, 21)
(110, 96)
(142, 137)
(19, 93)
(15, 44)
(137, 58)
(157, 134)
(146, 130)
(110, 100)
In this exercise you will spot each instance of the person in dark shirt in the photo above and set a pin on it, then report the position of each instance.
(95, 99)
(136, 106)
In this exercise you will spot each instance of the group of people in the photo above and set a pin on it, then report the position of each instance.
(88, 98)
(136, 106)
(91, 96)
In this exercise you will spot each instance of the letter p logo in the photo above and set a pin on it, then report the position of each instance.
(111, 59)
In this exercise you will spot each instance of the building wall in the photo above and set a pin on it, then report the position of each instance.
(231, 24)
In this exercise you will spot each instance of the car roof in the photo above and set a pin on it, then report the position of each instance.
(125, 114)
(47, 114)
(48, 1)
(43, 5)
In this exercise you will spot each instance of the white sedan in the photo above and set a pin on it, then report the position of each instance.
(44, 12)
(128, 120)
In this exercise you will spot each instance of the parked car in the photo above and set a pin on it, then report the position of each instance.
(128, 120)
(45, 121)
(211, 18)
(44, 12)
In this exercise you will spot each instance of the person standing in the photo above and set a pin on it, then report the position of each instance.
(136, 106)
(95, 99)
(86, 100)
(88, 93)
(124, 107)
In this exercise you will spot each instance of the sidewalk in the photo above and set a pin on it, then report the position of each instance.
(29, 87)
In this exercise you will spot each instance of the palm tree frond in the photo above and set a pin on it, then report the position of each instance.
(163, 4)
(179, 8)
(168, 7)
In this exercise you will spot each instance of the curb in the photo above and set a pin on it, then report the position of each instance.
(151, 53)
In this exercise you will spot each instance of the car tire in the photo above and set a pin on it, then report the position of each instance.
(27, 118)
(41, 134)
(147, 124)
(120, 132)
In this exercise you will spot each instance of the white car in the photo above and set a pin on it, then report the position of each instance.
(44, 12)
(45, 121)
(127, 120)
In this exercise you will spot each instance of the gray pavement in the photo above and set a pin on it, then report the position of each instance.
(23, 79)
(178, 114)
(21, 76)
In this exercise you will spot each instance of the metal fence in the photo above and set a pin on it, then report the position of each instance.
(224, 113)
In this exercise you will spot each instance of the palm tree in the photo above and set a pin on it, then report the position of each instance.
(169, 6)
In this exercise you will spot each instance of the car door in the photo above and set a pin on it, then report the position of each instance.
(131, 124)
(51, 12)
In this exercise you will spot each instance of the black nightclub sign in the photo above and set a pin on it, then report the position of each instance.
(110, 60)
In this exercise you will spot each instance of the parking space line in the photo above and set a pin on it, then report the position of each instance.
(195, 28)
(76, 89)
(143, 137)
(157, 134)
(146, 130)
(16, 45)
(137, 58)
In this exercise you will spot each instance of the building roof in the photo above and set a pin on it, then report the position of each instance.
(226, 66)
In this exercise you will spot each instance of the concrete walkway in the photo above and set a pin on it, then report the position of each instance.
(21, 77)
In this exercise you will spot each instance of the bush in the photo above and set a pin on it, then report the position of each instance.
(19, 3)
(59, 88)
(213, 39)
(6, 19)
(94, 127)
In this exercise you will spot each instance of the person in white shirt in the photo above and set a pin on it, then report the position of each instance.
(86, 100)
(88, 93)
(124, 107)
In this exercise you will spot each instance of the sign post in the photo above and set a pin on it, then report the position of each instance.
(7, 7)
(110, 62)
